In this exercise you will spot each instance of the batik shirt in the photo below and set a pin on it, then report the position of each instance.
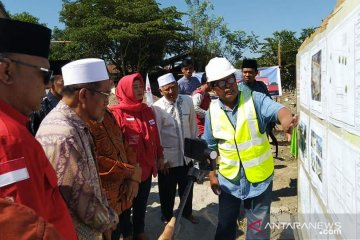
(68, 144)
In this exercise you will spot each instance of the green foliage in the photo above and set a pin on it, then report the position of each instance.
(212, 37)
(236, 42)
(131, 34)
(289, 45)
(306, 32)
(26, 17)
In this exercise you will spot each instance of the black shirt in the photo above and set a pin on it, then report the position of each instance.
(47, 104)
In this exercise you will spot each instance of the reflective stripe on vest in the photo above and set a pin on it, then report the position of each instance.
(244, 145)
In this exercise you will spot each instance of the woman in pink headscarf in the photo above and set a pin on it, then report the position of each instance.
(137, 122)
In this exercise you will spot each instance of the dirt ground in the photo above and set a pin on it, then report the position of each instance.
(205, 202)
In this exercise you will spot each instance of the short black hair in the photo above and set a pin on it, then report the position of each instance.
(69, 90)
(187, 63)
(249, 63)
(54, 78)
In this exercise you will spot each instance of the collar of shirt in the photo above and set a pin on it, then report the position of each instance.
(192, 78)
(71, 115)
(52, 99)
(13, 113)
(227, 109)
(169, 103)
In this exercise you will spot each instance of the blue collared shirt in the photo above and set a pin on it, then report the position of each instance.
(187, 86)
(266, 111)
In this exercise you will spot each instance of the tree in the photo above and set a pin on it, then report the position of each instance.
(26, 17)
(236, 42)
(132, 35)
(305, 33)
(289, 44)
(212, 37)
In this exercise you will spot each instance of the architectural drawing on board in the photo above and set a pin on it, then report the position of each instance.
(318, 79)
(317, 158)
(316, 76)
(303, 129)
(344, 74)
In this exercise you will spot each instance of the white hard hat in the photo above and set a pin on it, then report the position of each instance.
(218, 68)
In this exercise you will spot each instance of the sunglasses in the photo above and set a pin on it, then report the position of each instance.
(47, 73)
(222, 83)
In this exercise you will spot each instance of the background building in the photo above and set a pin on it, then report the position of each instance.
(3, 13)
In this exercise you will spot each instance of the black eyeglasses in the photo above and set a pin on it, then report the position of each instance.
(222, 83)
(104, 94)
(47, 73)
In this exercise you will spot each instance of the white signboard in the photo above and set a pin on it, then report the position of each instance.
(344, 74)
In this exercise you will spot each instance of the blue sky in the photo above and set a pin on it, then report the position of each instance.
(263, 17)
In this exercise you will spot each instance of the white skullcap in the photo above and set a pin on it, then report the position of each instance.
(166, 79)
(84, 71)
(218, 68)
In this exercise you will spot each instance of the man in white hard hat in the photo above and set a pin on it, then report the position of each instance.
(249, 71)
(235, 126)
(66, 139)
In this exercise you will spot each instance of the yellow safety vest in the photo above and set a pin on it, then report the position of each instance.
(244, 145)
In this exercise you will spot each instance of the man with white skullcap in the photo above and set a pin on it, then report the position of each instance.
(235, 126)
(176, 120)
(26, 176)
(65, 137)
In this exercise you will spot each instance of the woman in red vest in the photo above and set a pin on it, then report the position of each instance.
(137, 122)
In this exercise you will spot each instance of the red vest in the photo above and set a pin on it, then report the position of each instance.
(147, 151)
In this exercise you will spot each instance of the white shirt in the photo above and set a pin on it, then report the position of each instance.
(197, 99)
(173, 130)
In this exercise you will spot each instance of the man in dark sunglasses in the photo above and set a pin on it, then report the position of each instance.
(26, 176)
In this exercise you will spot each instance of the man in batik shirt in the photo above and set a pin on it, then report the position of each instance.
(65, 137)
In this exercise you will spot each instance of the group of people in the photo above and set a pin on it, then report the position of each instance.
(84, 168)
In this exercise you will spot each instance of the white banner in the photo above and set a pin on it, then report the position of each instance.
(270, 76)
